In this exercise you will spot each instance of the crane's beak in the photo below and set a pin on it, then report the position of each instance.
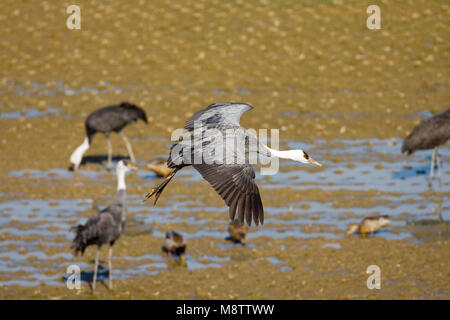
(311, 160)
(132, 167)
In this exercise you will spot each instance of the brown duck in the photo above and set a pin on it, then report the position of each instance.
(175, 244)
(159, 166)
(238, 232)
(369, 225)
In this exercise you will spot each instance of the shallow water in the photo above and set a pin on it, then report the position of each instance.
(406, 194)
(58, 88)
(30, 113)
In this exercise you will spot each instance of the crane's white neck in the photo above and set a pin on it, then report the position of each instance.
(296, 155)
(77, 155)
(121, 180)
(283, 154)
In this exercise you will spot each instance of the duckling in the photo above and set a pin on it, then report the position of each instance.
(238, 232)
(369, 225)
(175, 244)
(159, 166)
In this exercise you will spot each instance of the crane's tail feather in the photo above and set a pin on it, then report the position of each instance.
(159, 189)
(80, 242)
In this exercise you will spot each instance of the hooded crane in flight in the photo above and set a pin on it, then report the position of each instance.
(105, 227)
(429, 134)
(233, 178)
(104, 120)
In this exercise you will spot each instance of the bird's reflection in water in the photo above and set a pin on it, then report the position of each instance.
(135, 227)
(175, 262)
(88, 275)
(410, 171)
(434, 229)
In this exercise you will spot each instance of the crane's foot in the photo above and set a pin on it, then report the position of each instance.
(159, 189)
(156, 191)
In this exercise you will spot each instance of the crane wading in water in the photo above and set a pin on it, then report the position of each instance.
(105, 227)
(105, 120)
(429, 134)
(233, 180)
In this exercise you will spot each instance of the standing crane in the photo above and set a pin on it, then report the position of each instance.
(233, 179)
(429, 134)
(105, 227)
(105, 120)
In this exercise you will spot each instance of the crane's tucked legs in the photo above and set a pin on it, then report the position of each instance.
(94, 281)
(128, 145)
(108, 142)
(110, 267)
(159, 189)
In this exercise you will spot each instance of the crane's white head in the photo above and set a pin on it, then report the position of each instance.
(124, 166)
(302, 156)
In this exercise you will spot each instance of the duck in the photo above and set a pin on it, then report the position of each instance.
(159, 166)
(369, 225)
(174, 245)
(238, 232)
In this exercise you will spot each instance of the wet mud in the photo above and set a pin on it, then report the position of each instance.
(345, 94)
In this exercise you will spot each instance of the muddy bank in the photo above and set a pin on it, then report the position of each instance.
(275, 269)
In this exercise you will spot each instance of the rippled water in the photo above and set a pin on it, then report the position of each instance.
(58, 88)
(30, 113)
(361, 165)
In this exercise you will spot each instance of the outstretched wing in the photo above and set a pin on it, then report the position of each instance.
(219, 114)
(235, 183)
(216, 126)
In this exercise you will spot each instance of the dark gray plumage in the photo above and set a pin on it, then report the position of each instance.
(113, 118)
(105, 227)
(233, 177)
(234, 182)
(106, 120)
(429, 134)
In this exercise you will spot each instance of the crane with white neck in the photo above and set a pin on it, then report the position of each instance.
(232, 179)
(106, 120)
(105, 227)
